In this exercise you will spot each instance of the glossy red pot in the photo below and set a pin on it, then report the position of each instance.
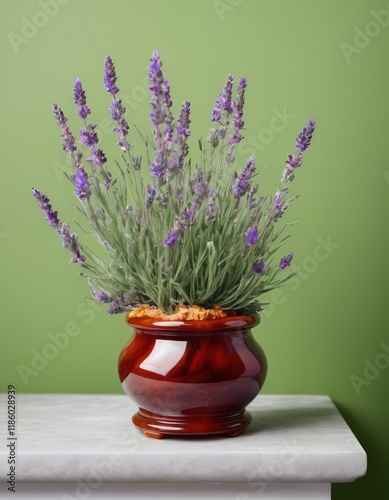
(192, 377)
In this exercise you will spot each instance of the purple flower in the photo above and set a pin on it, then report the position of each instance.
(155, 74)
(117, 306)
(150, 195)
(88, 136)
(82, 185)
(252, 236)
(107, 178)
(110, 77)
(238, 113)
(304, 138)
(223, 100)
(295, 161)
(242, 182)
(70, 242)
(166, 99)
(44, 204)
(184, 119)
(79, 98)
(79, 93)
(211, 211)
(280, 205)
(172, 238)
(187, 215)
(60, 118)
(251, 201)
(117, 111)
(68, 141)
(97, 157)
(157, 114)
(157, 168)
(101, 296)
(159, 90)
(285, 261)
(258, 268)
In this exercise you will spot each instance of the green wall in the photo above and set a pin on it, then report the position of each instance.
(328, 328)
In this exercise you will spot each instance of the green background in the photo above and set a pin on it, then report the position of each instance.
(303, 57)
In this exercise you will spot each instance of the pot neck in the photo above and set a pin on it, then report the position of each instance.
(229, 323)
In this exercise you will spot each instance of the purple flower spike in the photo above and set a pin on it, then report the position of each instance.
(60, 118)
(151, 193)
(79, 98)
(183, 122)
(110, 77)
(82, 185)
(223, 100)
(238, 113)
(242, 182)
(166, 99)
(155, 74)
(101, 296)
(252, 236)
(79, 93)
(157, 168)
(172, 238)
(70, 242)
(97, 157)
(88, 136)
(258, 268)
(304, 138)
(44, 204)
(285, 261)
(117, 306)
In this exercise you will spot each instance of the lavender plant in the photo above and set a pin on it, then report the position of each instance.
(192, 233)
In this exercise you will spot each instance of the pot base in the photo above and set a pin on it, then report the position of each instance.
(158, 426)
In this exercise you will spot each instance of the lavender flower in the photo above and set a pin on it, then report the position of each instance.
(211, 211)
(151, 192)
(88, 136)
(304, 138)
(68, 141)
(101, 296)
(97, 157)
(158, 113)
(166, 99)
(171, 238)
(280, 205)
(82, 185)
(118, 306)
(79, 98)
(285, 261)
(184, 121)
(155, 74)
(223, 101)
(238, 113)
(252, 236)
(60, 118)
(70, 242)
(107, 178)
(67, 138)
(110, 77)
(44, 204)
(251, 201)
(158, 168)
(117, 111)
(242, 182)
(258, 268)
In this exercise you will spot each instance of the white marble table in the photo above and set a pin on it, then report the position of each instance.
(76, 447)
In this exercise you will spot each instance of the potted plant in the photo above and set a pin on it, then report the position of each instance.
(187, 254)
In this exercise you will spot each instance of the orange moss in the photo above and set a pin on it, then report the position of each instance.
(194, 313)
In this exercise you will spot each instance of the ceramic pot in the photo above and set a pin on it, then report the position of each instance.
(192, 377)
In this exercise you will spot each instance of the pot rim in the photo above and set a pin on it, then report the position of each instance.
(229, 323)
